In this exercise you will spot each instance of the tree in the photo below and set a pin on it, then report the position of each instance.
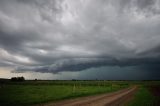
(18, 79)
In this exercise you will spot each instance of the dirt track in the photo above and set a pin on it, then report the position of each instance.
(118, 98)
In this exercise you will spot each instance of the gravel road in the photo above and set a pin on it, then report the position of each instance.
(118, 98)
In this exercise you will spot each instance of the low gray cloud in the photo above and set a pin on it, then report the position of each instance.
(67, 35)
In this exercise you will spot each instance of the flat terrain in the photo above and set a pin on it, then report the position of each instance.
(147, 95)
(118, 98)
(79, 93)
(28, 93)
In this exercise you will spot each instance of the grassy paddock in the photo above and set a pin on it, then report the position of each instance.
(142, 98)
(33, 92)
(145, 97)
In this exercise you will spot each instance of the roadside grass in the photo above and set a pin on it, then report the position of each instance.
(18, 95)
(142, 98)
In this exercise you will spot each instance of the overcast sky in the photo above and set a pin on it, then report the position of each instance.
(80, 39)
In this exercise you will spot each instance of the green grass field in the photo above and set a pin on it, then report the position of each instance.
(36, 92)
(144, 97)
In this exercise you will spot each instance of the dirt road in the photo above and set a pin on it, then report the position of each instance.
(118, 98)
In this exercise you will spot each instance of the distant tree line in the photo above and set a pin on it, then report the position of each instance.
(18, 79)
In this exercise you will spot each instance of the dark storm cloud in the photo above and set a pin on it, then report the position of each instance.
(80, 64)
(70, 65)
(67, 35)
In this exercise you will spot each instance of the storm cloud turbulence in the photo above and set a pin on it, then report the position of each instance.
(104, 39)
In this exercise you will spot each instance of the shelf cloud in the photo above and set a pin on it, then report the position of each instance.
(54, 36)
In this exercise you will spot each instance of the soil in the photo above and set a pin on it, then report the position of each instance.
(118, 98)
